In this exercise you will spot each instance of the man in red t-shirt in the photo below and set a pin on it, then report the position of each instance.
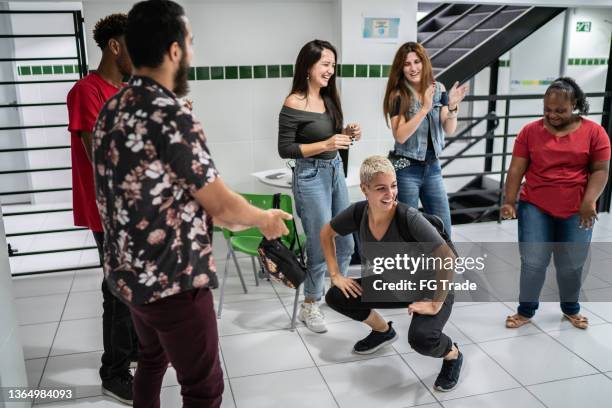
(85, 100)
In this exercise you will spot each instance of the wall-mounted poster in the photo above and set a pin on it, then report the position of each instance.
(385, 29)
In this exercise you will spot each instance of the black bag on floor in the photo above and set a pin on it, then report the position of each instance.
(280, 261)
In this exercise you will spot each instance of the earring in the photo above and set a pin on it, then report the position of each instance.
(307, 77)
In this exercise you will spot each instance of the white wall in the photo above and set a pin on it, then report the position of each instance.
(362, 98)
(240, 117)
(37, 93)
(12, 366)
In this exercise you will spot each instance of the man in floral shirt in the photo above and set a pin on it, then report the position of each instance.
(158, 191)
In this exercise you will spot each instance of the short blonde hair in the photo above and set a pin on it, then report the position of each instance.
(374, 165)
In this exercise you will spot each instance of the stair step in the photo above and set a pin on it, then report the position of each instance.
(471, 40)
(468, 21)
(423, 35)
(447, 57)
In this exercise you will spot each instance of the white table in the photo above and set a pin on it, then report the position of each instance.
(281, 177)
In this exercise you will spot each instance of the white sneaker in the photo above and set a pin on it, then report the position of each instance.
(312, 317)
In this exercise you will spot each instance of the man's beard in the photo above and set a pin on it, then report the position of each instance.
(181, 78)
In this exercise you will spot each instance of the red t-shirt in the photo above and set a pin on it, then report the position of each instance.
(558, 171)
(85, 100)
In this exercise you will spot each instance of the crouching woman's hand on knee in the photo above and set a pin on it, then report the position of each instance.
(348, 286)
(426, 307)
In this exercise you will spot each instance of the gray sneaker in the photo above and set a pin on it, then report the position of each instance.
(312, 317)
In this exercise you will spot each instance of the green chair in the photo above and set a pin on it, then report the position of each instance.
(247, 242)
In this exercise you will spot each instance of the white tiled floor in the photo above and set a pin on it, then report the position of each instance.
(544, 364)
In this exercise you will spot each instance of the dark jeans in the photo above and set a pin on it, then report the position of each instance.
(181, 329)
(118, 333)
(425, 334)
(540, 236)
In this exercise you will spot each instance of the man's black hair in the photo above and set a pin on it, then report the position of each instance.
(112, 26)
(152, 26)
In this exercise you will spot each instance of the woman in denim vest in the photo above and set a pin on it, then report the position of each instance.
(421, 113)
(311, 132)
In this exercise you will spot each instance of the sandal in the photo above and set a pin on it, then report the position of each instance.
(515, 321)
(578, 321)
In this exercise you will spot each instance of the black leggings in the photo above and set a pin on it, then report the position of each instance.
(118, 334)
(425, 334)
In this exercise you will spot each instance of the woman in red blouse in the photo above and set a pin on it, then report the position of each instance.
(565, 159)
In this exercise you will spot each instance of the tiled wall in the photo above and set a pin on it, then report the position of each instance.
(25, 70)
(587, 61)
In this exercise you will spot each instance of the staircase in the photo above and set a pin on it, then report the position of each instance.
(461, 40)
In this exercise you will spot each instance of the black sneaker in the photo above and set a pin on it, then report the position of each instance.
(119, 388)
(449, 374)
(375, 340)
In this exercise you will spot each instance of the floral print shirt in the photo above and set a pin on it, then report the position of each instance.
(150, 156)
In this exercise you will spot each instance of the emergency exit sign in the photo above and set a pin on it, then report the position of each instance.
(583, 26)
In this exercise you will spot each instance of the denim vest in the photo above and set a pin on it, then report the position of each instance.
(416, 145)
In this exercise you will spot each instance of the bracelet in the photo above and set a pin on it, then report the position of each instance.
(454, 110)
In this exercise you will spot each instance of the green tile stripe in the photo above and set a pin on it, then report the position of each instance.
(219, 72)
(587, 61)
(25, 70)
(253, 72)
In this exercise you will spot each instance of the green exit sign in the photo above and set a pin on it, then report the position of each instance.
(583, 26)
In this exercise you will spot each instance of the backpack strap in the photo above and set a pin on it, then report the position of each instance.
(359, 213)
(403, 219)
(360, 208)
(434, 220)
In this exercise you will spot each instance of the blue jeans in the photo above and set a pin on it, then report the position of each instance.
(424, 181)
(540, 236)
(320, 194)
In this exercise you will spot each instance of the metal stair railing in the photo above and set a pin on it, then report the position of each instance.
(483, 212)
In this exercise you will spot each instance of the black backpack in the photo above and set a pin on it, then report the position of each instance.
(434, 220)
(281, 262)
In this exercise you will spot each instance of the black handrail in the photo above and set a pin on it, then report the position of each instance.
(53, 251)
(28, 105)
(37, 59)
(54, 231)
(26, 149)
(49, 81)
(487, 135)
(463, 132)
(51, 210)
(34, 126)
(35, 35)
(34, 170)
(44, 190)
(503, 166)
